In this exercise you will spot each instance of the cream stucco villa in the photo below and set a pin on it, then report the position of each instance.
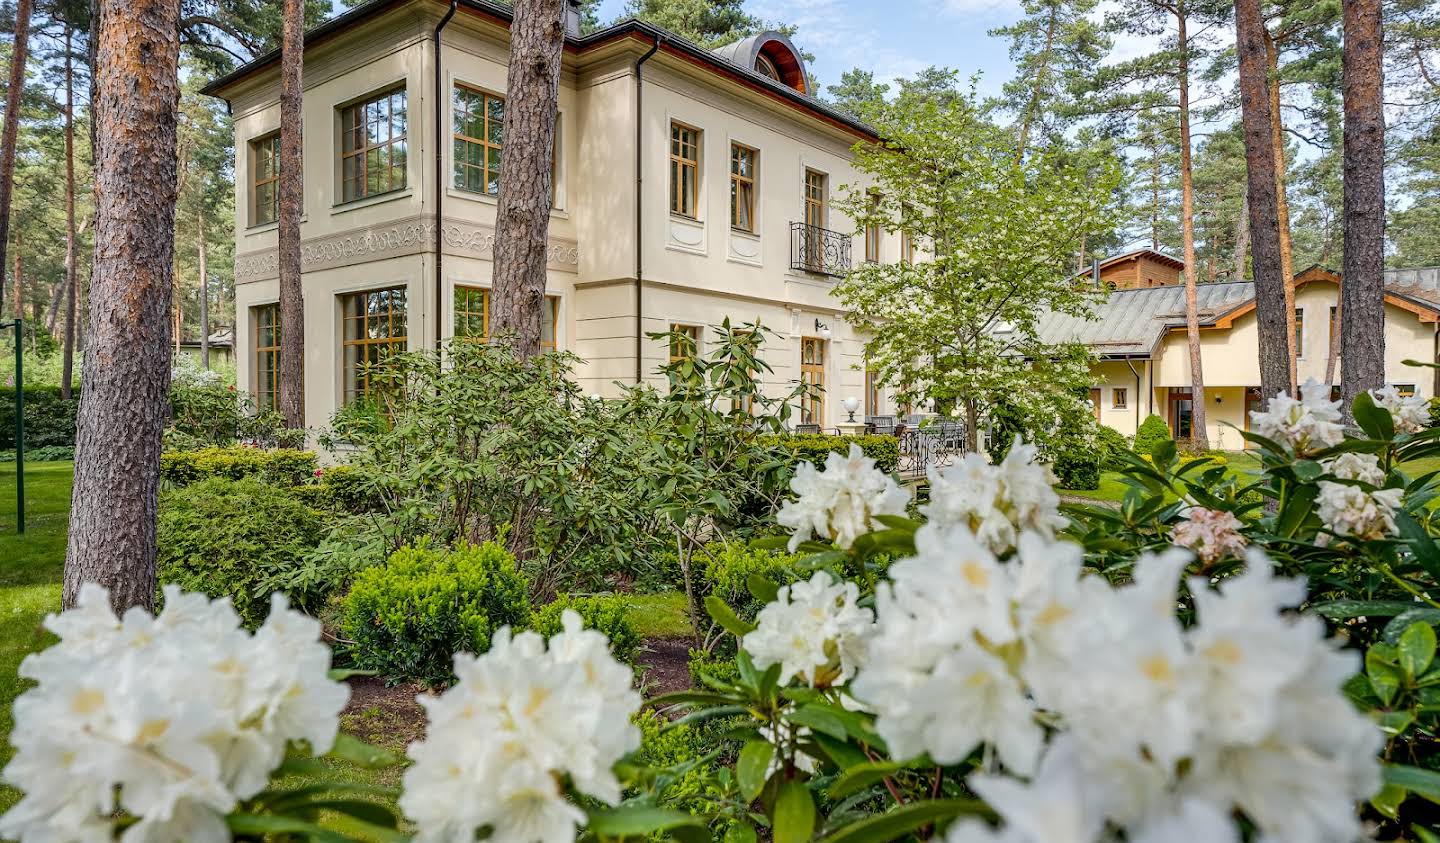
(1138, 337)
(690, 186)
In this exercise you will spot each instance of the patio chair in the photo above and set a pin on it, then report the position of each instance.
(803, 429)
(883, 425)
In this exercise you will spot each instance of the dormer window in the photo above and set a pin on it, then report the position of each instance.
(765, 67)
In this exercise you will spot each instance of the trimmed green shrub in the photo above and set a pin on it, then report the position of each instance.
(607, 613)
(726, 574)
(1152, 432)
(1112, 444)
(228, 537)
(285, 467)
(345, 488)
(815, 447)
(49, 419)
(408, 617)
(45, 453)
(1077, 467)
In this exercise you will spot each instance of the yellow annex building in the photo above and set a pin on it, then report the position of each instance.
(1138, 337)
(689, 186)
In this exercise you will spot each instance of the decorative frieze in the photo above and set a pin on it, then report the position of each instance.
(400, 238)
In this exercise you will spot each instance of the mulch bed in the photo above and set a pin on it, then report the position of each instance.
(389, 716)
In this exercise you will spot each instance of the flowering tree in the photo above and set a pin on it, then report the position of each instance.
(995, 242)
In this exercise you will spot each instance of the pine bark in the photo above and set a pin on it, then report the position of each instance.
(1242, 238)
(204, 290)
(1362, 294)
(1260, 192)
(1033, 105)
(127, 354)
(292, 193)
(19, 302)
(1282, 205)
(67, 371)
(11, 131)
(1198, 436)
(537, 37)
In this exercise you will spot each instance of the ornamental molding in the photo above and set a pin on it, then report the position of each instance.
(398, 238)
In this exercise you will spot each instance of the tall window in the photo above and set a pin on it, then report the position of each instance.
(472, 316)
(375, 330)
(872, 232)
(872, 393)
(373, 147)
(684, 342)
(812, 373)
(267, 355)
(1119, 398)
(815, 198)
(1299, 332)
(684, 170)
(478, 122)
(265, 188)
(742, 187)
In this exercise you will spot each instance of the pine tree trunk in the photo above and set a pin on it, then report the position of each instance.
(52, 313)
(11, 131)
(292, 192)
(1242, 238)
(1198, 436)
(1155, 195)
(19, 302)
(127, 356)
(1282, 205)
(1362, 293)
(1035, 85)
(67, 371)
(1260, 190)
(204, 290)
(523, 219)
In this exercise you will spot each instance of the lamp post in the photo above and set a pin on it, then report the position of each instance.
(851, 405)
(19, 325)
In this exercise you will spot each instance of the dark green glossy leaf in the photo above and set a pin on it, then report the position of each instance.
(896, 824)
(861, 776)
(819, 718)
(262, 825)
(642, 821)
(794, 813)
(752, 767)
(762, 588)
(1374, 420)
(722, 614)
(1344, 610)
(1416, 648)
(1416, 780)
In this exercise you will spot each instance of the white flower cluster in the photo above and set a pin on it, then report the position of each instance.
(1306, 425)
(813, 630)
(1161, 732)
(1411, 413)
(171, 719)
(1350, 510)
(1211, 533)
(841, 502)
(520, 717)
(996, 502)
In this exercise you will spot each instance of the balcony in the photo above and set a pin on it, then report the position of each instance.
(819, 250)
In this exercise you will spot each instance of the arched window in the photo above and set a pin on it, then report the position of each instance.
(765, 67)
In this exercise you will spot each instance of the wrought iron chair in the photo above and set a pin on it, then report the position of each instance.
(883, 425)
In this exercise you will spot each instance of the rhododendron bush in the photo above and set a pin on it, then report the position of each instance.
(1225, 658)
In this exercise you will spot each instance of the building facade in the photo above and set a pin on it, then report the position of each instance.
(1139, 340)
(690, 186)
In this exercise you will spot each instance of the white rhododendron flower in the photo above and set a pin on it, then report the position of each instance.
(172, 719)
(520, 718)
(1162, 732)
(1411, 413)
(996, 502)
(841, 502)
(1306, 425)
(813, 630)
(1212, 534)
(1352, 466)
(1351, 511)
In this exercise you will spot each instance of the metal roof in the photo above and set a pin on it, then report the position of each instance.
(1130, 323)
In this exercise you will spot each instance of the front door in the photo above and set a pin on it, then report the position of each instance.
(1095, 401)
(1181, 408)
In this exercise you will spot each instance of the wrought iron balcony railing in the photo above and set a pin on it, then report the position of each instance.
(819, 250)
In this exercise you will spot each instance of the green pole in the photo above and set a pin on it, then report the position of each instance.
(19, 426)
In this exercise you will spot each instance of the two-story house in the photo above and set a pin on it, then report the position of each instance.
(690, 185)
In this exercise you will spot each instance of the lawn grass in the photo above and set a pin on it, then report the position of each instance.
(30, 571)
(662, 615)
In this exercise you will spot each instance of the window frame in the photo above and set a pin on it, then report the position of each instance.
(820, 203)
(257, 147)
(738, 185)
(679, 164)
(348, 133)
(551, 300)
(1119, 398)
(460, 165)
(812, 407)
(1299, 333)
(769, 69)
(260, 352)
(361, 369)
(872, 392)
(872, 231)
